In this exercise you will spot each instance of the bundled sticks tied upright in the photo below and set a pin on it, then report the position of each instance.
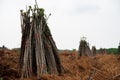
(84, 49)
(39, 54)
(93, 51)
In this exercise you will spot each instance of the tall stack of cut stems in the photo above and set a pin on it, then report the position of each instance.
(39, 54)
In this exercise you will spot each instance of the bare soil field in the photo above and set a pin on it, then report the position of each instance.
(99, 67)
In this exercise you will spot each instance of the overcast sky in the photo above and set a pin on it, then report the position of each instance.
(98, 20)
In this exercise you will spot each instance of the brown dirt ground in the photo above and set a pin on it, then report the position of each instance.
(99, 67)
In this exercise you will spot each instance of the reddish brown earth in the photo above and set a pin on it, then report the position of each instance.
(99, 67)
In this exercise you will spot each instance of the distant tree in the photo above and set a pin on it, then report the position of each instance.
(112, 51)
(119, 48)
(73, 49)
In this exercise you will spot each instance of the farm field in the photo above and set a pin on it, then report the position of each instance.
(99, 67)
(86, 33)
